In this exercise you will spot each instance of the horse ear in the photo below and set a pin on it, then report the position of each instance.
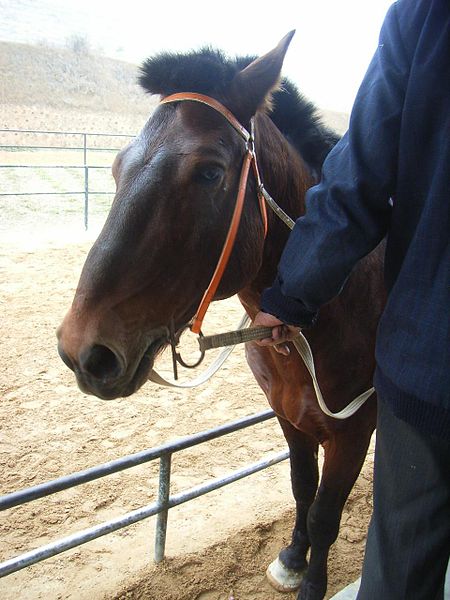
(252, 87)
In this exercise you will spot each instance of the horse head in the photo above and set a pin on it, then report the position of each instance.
(176, 187)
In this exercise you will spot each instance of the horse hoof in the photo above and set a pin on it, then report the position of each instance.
(283, 579)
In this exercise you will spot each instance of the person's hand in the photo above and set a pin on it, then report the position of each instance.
(281, 333)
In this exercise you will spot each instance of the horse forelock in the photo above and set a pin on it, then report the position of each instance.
(204, 71)
(209, 71)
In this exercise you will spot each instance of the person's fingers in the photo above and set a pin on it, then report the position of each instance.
(278, 333)
(281, 333)
(290, 332)
(266, 342)
(282, 349)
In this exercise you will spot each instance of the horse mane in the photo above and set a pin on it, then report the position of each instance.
(208, 71)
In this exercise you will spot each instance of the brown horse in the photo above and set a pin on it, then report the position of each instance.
(176, 187)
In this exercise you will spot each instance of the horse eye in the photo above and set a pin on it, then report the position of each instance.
(209, 174)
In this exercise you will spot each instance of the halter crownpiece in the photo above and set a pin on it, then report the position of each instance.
(249, 160)
(211, 102)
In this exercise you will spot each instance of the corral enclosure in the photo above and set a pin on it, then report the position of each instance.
(218, 543)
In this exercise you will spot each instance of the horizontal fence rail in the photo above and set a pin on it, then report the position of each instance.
(161, 507)
(82, 147)
(51, 132)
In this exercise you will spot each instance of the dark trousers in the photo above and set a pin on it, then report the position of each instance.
(408, 543)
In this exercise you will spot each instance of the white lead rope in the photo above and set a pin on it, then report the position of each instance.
(304, 349)
(202, 378)
(207, 373)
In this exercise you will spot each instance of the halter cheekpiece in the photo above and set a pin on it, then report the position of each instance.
(249, 160)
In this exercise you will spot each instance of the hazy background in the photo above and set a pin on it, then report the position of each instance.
(327, 58)
(72, 66)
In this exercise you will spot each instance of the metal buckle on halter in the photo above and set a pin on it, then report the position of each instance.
(250, 142)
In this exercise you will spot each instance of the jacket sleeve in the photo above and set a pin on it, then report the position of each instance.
(348, 212)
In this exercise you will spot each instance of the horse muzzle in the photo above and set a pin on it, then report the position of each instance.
(105, 372)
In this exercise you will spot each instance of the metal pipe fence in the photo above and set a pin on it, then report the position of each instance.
(160, 508)
(82, 147)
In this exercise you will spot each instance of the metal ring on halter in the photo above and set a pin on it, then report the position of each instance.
(182, 362)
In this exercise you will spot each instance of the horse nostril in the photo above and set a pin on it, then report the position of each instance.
(100, 362)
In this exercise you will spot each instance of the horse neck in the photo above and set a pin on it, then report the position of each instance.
(286, 177)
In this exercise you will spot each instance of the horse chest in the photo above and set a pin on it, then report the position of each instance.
(288, 388)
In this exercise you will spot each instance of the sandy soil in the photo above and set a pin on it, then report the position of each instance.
(219, 542)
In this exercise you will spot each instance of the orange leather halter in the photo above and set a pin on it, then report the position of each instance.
(249, 160)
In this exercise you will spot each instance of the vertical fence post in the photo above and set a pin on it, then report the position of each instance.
(163, 498)
(86, 183)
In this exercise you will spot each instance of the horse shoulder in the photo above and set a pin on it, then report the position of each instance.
(287, 385)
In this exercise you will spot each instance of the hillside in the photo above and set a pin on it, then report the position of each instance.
(48, 88)
(61, 78)
(52, 88)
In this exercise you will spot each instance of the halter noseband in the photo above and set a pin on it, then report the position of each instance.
(249, 160)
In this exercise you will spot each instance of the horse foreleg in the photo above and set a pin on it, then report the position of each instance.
(285, 573)
(344, 457)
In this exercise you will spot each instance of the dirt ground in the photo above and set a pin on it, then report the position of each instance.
(217, 543)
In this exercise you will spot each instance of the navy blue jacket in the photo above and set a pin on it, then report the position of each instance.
(389, 176)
